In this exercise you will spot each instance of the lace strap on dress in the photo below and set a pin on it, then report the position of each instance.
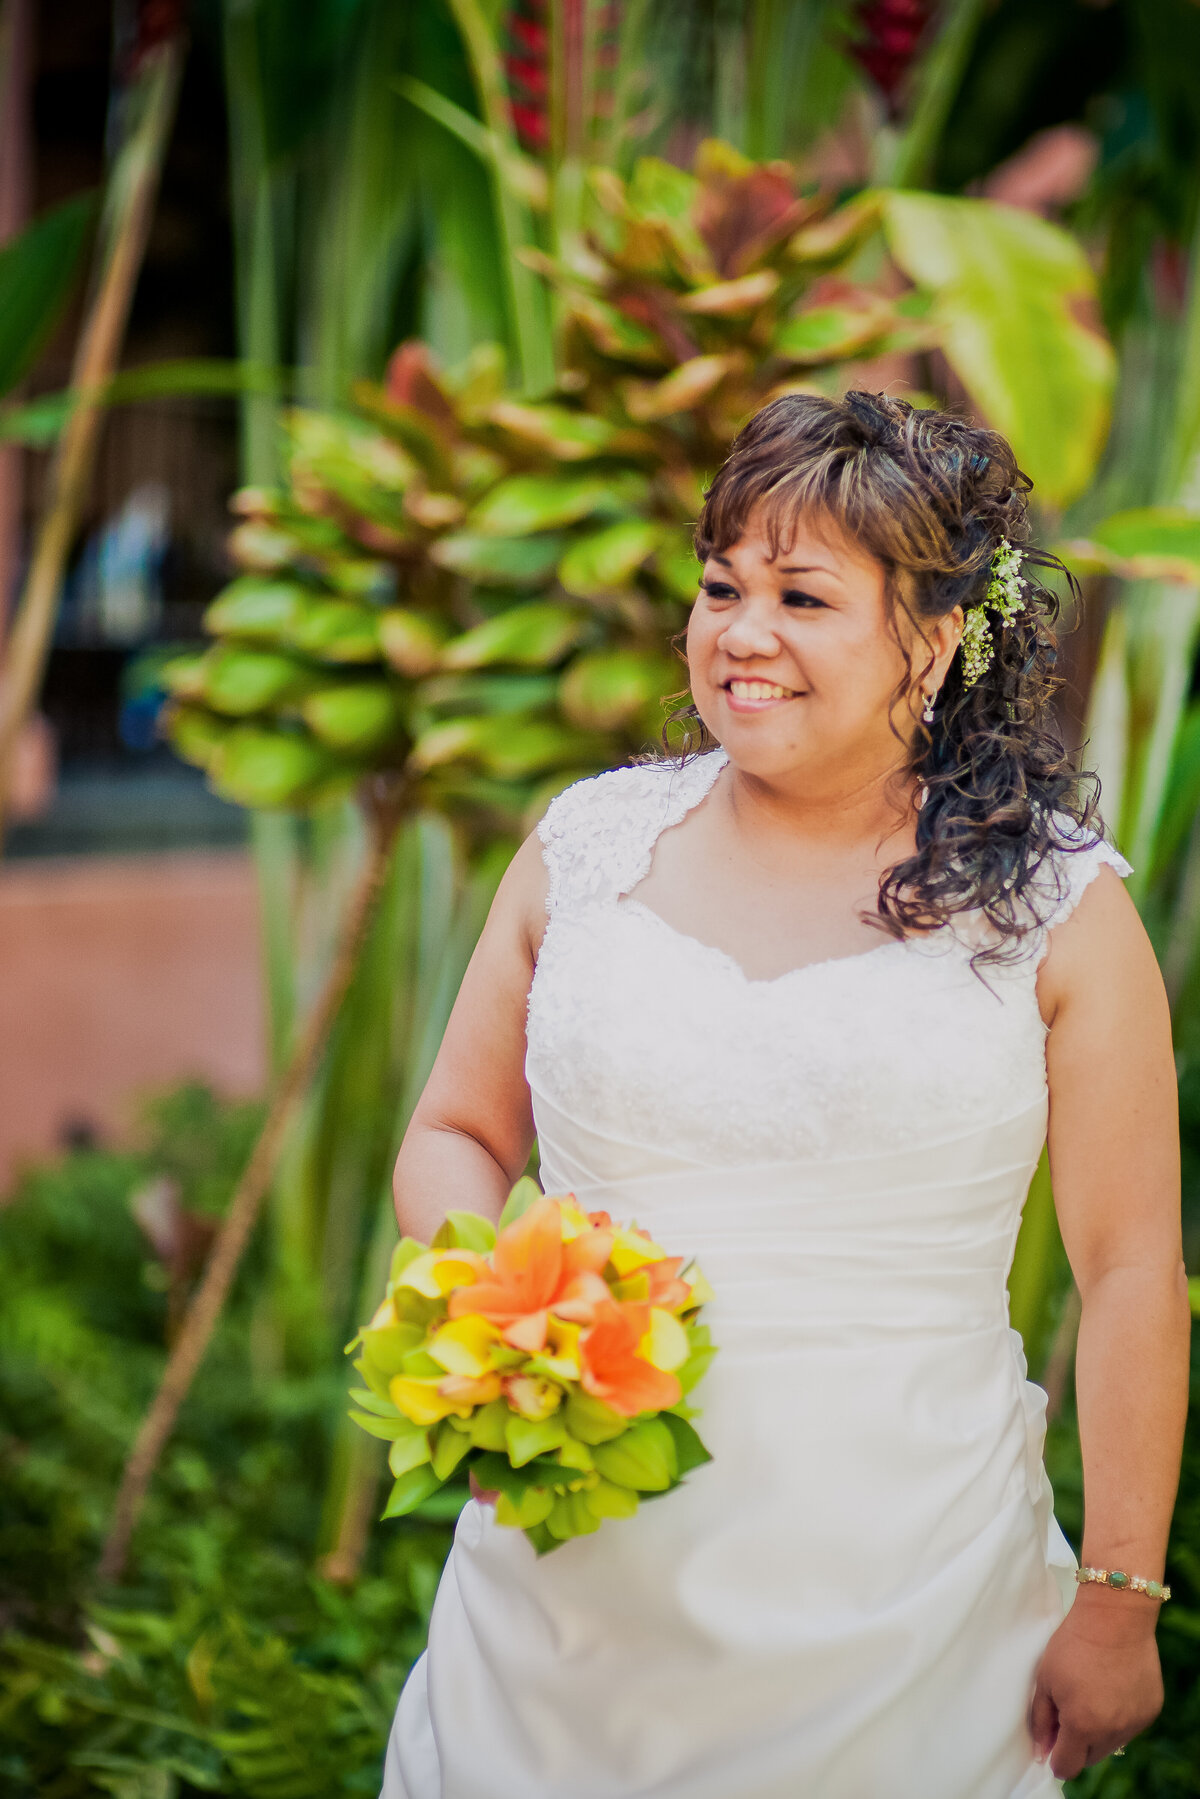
(598, 836)
(1068, 874)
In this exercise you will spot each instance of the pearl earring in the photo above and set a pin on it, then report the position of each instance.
(927, 715)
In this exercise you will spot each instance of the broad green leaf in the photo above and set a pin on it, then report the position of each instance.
(359, 716)
(615, 335)
(508, 747)
(695, 1367)
(184, 675)
(571, 1516)
(40, 421)
(37, 273)
(197, 733)
(1010, 291)
(534, 1505)
(525, 1194)
(416, 430)
(449, 1448)
(364, 470)
(411, 1488)
(609, 1501)
(405, 1252)
(409, 1451)
(240, 679)
(410, 641)
(605, 690)
(689, 1450)
(727, 299)
(495, 1473)
(684, 388)
(661, 188)
(831, 333)
(259, 767)
(466, 1230)
(566, 435)
(390, 1429)
(603, 561)
(531, 636)
(526, 1437)
(337, 631)
(258, 608)
(486, 1426)
(1158, 543)
(643, 1458)
(830, 240)
(464, 694)
(368, 1401)
(591, 1420)
(571, 1453)
(524, 504)
(499, 561)
(383, 1351)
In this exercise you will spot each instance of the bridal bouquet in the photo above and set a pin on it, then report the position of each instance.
(550, 1358)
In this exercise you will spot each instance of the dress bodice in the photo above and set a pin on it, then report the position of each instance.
(652, 1038)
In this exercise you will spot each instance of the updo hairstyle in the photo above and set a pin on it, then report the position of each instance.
(930, 497)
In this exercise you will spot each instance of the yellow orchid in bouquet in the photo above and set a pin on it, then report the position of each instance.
(551, 1357)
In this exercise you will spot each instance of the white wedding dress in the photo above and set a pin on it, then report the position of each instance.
(850, 1600)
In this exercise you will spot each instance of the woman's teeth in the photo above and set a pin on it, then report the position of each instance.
(760, 690)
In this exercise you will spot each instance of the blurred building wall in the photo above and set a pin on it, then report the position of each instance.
(120, 976)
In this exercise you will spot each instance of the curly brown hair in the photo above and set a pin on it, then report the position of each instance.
(930, 496)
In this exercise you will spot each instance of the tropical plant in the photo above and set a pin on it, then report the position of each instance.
(456, 699)
(230, 1668)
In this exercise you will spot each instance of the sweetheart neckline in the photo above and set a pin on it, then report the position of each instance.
(722, 957)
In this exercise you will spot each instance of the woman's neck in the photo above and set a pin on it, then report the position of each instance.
(849, 809)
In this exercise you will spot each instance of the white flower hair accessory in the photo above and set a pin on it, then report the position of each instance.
(1005, 598)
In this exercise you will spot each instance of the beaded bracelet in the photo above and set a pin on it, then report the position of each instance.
(1122, 1582)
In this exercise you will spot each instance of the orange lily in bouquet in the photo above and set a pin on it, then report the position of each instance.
(551, 1358)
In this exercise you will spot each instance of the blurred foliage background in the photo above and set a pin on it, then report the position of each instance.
(505, 281)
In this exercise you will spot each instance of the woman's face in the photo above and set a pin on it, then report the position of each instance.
(794, 662)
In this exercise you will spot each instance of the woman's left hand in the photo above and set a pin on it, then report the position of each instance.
(1099, 1682)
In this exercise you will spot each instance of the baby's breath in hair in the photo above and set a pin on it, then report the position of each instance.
(1005, 596)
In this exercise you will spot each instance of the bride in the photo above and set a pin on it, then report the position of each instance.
(803, 1003)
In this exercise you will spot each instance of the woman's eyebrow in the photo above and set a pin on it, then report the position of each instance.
(809, 568)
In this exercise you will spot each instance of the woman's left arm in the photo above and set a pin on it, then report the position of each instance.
(1114, 1163)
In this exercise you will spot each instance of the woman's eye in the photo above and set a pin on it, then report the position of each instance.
(718, 590)
(795, 598)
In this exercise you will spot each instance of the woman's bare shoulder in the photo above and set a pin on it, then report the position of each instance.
(1098, 955)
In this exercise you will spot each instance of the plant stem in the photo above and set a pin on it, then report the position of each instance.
(938, 81)
(133, 186)
(385, 808)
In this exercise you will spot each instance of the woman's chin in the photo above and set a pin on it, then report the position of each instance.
(757, 750)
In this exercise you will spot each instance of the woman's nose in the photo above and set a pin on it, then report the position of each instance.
(749, 634)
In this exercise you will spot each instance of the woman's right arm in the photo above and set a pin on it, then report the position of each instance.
(470, 1135)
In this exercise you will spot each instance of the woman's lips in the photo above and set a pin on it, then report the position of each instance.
(756, 696)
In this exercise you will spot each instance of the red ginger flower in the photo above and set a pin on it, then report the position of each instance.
(532, 1273)
(892, 33)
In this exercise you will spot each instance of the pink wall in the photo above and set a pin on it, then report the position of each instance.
(120, 976)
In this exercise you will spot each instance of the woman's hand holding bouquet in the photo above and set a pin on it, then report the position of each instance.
(550, 1359)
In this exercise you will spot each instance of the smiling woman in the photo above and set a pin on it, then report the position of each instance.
(889, 951)
(871, 528)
